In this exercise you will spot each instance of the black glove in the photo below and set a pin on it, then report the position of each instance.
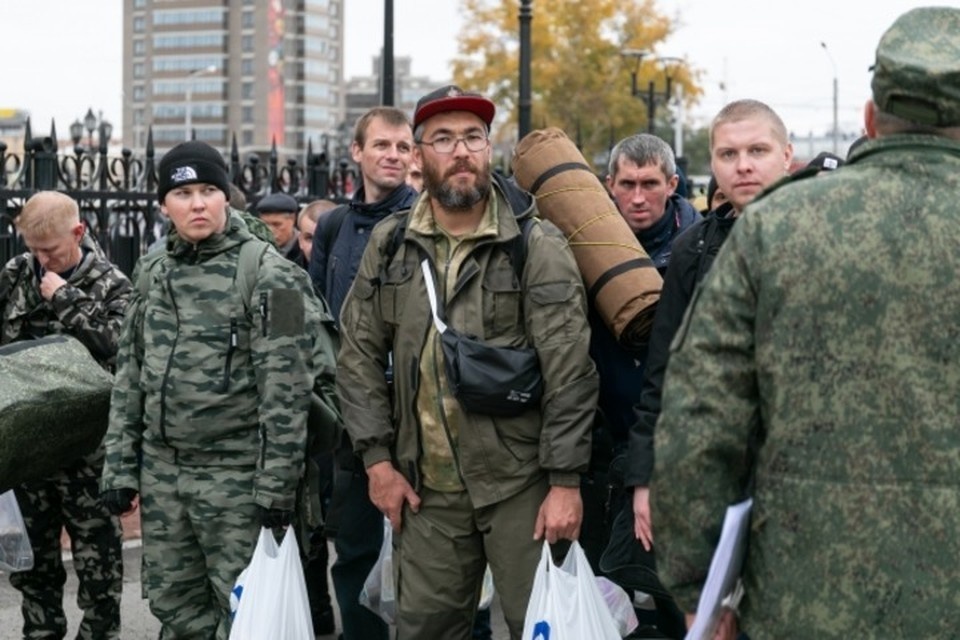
(118, 501)
(274, 518)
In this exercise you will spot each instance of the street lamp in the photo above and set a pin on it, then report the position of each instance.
(525, 102)
(836, 129)
(90, 123)
(652, 95)
(189, 96)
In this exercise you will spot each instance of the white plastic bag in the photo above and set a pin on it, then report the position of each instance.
(272, 597)
(619, 604)
(565, 603)
(16, 553)
(378, 593)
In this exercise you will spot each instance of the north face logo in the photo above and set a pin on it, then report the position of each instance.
(182, 174)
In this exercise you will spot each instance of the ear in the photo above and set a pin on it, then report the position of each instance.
(78, 230)
(355, 151)
(787, 157)
(672, 184)
(870, 119)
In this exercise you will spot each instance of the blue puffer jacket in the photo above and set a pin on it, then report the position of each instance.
(333, 274)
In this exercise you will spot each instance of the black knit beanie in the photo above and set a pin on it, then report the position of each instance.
(189, 163)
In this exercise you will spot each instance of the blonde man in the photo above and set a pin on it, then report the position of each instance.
(64, 284)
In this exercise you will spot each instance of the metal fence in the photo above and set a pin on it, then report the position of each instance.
(117, 195)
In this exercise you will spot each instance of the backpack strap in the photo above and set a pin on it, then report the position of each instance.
(248, 266)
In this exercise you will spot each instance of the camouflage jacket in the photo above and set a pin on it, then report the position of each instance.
(826, 332)
(89, 307)
(387, 310)
(204, 380)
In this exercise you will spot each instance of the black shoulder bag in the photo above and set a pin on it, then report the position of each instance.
(496, 381)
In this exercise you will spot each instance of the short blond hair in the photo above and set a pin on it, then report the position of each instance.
(313, 210)
(741, 110)
(48, 213)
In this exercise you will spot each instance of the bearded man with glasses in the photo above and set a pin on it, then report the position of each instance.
(463, 489)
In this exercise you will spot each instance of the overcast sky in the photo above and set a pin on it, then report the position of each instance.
(60, 57)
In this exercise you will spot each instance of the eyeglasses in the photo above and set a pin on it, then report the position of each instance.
(447, 144)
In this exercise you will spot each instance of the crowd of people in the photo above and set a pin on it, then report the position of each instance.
(800, 355)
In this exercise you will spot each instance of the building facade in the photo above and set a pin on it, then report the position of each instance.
(268, 71)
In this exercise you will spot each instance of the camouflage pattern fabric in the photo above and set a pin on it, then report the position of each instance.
(916, 75)
(214, 390)
(90, 308)
(200, 529)
(49, 383)
(70, 497)
(828, 328)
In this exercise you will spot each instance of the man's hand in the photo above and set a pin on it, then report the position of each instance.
(560, 515)
(49, 284)
(642, 527)
(119, 501)
(389, 490)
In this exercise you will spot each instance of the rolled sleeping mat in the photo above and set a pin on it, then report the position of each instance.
(54, 407)
(622, 283)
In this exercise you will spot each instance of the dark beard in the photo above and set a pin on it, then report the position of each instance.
(452, 198)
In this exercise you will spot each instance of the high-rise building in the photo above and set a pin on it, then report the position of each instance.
(264, 70)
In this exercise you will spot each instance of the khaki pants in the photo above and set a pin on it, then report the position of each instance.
(440, 557)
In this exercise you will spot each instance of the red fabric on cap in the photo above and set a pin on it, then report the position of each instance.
(452, 98)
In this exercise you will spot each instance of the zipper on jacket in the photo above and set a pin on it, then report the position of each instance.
(231, 347)
(173, 350)
(264, 308)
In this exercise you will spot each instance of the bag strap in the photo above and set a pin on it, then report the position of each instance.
(432, 295)
(248, 266)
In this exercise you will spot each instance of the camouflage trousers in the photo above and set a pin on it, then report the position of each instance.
(70, 499)
(199, 530)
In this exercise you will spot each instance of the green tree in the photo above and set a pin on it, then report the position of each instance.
(581, 79)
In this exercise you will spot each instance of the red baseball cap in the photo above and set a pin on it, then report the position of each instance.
(453, 98)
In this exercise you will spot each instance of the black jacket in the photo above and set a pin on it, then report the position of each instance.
(693, 253)
(620, 368)
(333, 274)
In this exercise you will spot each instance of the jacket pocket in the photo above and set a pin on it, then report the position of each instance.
(553, 306)
(394, 291)
(502, 304)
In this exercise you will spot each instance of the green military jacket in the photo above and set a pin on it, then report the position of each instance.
(827, 330)
(204, 379)
(89, 307)
(387, 311)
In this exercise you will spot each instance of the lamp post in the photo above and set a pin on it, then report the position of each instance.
(188, 121)
(836, 128)
(387, 90)
(651, 96)
(524, 103)
(91, 123)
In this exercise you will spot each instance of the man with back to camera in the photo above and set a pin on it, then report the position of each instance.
(64, 284)
(817, 367)
(461, 489)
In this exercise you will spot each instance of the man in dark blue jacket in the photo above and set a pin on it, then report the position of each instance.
(382, 148)
(642, 179)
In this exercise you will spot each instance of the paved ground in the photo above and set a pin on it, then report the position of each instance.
(136, 620)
